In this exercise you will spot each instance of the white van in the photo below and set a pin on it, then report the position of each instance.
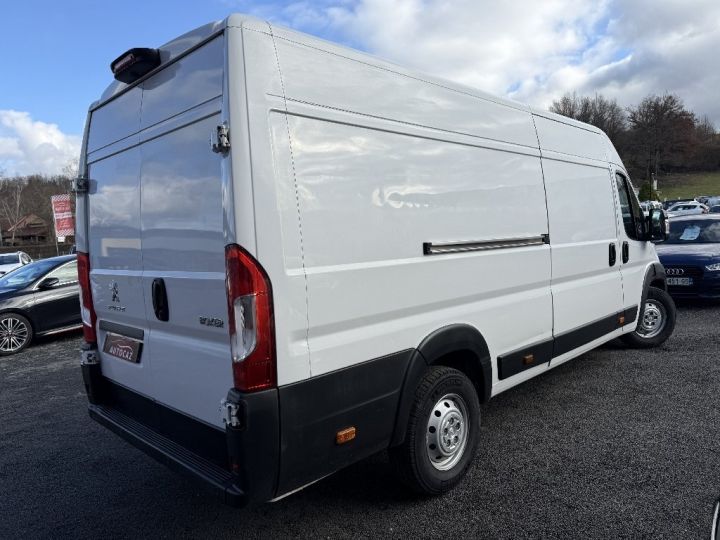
(294, 255)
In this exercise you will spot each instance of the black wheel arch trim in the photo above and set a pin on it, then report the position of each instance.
(440, 343)
(655, 273)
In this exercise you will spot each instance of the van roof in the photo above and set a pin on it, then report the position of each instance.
(190, 40)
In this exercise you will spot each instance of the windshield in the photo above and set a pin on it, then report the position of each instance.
(9, 259)
(25, 275)
(694, 232)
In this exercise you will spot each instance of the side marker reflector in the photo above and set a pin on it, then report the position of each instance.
(345, 435)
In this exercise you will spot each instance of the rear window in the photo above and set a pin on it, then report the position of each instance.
(9, 259)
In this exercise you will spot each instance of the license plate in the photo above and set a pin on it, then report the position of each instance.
(122, 347)
(685, 281)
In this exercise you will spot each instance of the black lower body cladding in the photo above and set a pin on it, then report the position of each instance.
(286, 436)
(364, 396)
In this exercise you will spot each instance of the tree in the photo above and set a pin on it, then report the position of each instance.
(661, 134)
(598, 111)
(646, 192)
(11, 196)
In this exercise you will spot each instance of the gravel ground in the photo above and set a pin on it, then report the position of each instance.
(614, 444)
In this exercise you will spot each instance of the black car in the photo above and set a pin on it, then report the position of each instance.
(691, 256)
(38, 299)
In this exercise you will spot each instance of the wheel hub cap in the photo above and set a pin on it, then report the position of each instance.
(447, 432)
(653, 319)
(13, 334)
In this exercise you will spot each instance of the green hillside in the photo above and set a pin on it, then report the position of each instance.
(681, 186)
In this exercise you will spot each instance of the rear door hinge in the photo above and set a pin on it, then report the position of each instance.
(229, 413)
(80, 185)
(220, 139)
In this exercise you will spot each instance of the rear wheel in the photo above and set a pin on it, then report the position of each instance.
(656, 321)
(15, 333)
(442, 432)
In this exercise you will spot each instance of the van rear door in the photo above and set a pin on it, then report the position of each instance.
(156, 235)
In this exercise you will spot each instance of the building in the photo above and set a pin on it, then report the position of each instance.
(30, 229)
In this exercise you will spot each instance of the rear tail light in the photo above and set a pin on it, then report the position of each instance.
(251, 321)
(86, 305)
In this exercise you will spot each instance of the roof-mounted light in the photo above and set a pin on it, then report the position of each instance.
(133, 64)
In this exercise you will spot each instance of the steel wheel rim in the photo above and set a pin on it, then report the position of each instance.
(447, 432)
(653, 319)
(13, 334)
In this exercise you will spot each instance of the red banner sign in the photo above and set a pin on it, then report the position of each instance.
(62, 214)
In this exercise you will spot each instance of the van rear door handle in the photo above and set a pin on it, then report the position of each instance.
(160, 300)
(613, 255)
(625, 252)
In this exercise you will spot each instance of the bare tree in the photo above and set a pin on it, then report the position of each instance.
(598, 111)
(662, 133)
(11, 198)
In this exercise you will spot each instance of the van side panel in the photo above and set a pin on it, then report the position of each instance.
(277, 225)
(369, 199)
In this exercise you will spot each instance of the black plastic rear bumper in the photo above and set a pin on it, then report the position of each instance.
(219, 481)
(237, 465)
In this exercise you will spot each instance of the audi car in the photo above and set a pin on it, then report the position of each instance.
(691, 256)
(38, 299)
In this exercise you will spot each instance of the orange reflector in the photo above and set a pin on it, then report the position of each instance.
(345, 435)
(621, 320)
(528, 359)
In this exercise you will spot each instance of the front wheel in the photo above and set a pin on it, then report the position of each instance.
(442, 432)
(656, 322)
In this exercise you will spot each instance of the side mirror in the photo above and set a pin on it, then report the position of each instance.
(48, 283)
(658, 225)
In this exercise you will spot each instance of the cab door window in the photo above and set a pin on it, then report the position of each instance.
(632, 214)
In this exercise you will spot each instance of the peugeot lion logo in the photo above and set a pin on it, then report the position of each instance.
(114, 291)
(675, 271)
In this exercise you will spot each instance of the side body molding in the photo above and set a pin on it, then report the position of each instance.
(448, 345)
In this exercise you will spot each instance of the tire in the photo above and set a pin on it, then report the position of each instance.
(656, 321)
(15, 333)
(442, 432)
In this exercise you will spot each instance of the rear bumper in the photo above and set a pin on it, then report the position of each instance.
(237, 465)
(217, 480)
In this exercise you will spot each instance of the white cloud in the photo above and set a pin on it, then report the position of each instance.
(535, 51)
(29, 146)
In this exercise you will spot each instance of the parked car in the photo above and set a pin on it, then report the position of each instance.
(11, 261)
(691, 256)
(359, 258)
(670, 202)
(39, 299)
(687, 209)
(715, 209)
(649, 205)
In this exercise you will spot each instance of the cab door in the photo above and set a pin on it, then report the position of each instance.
(635, 253)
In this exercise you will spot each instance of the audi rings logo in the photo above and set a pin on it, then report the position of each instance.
(675, 271)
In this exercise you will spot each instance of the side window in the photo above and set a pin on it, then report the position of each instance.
(66, 274)
(632, 214)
